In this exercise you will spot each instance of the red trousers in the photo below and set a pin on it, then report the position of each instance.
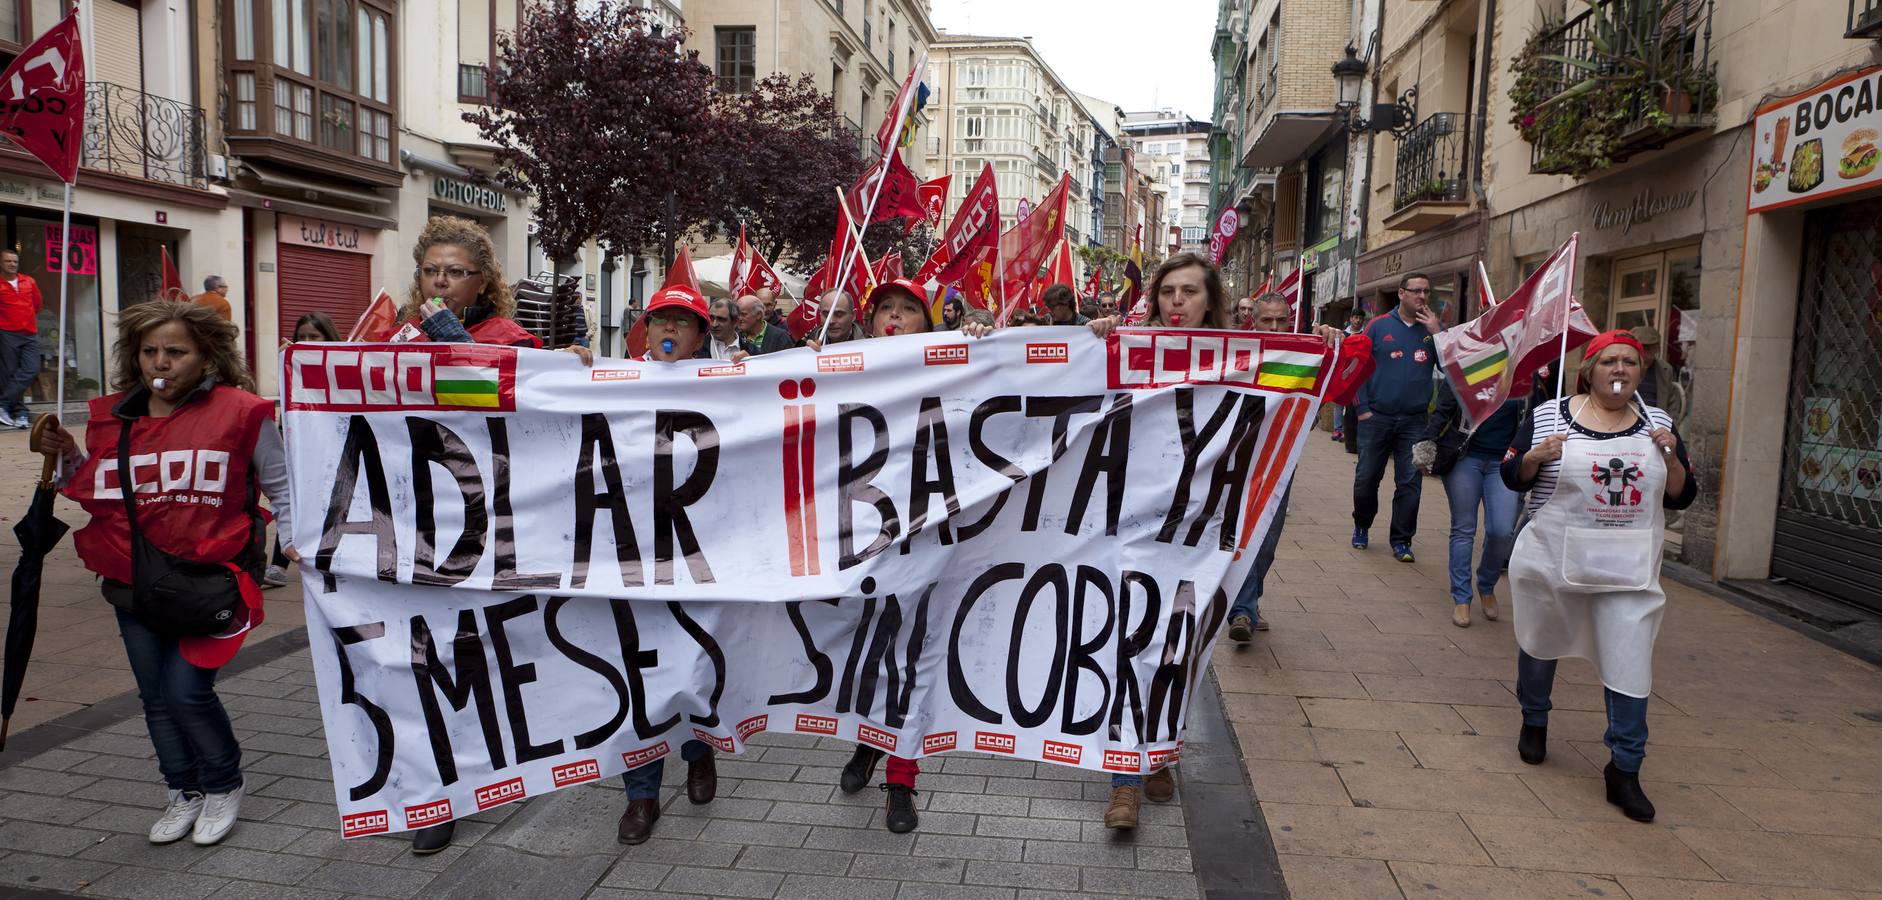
(902, 771)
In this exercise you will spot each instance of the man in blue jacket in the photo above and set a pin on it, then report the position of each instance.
(1392, 410)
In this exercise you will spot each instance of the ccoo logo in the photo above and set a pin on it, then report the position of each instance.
(1048, 353)
(644, 755)
(945, 355)
(1122, 761)
(936, 743)
(376, 822)
(575, 772)
(875, 737)
(810, 724)
(994, 742)
(840, 362)
(1061, 752)
(500, 793)
(428, 813)
(752, 726)
(725, 744)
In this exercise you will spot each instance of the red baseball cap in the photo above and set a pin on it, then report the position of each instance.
(1608, 339)
(683, 297)
(215, 651)
(902, 286)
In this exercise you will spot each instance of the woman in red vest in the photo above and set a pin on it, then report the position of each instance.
(201, 447)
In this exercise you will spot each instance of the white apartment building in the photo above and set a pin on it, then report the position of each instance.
(1174, 150)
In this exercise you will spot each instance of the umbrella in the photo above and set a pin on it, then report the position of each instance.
(38, 533)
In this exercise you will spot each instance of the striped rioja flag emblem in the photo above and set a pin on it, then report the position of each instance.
(1288, 369)
(466, 386)
(1485, 366)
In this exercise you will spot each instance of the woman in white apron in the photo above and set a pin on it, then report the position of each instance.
(1602, 468)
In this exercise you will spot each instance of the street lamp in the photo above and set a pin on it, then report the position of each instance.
(1348, 74)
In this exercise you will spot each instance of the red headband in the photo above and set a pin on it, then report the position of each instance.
(1607, 339)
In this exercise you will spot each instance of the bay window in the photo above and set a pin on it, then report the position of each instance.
(324, 66)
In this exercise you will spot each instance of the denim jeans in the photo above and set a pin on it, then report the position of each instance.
(1627, 716)
(1383, 436)
(1473, 482)
(1118, 781)
(1248, 599)
(19, 365)
(1339, 418)
(196, 747)
(644, 783)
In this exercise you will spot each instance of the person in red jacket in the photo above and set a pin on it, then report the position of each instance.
(19, 338)
(458, 294)
(201, 443)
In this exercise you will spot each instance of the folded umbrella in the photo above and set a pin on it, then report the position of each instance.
(38, 532)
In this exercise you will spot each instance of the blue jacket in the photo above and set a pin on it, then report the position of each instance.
(1406, 356)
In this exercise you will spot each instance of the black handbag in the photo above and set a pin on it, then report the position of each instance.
(1450, 449)
(172, 596)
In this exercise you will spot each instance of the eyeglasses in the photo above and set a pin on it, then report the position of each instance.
(453, 273)
(674, 318)
(1414, 290)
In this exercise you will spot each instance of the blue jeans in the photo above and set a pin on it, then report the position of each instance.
(19, 365)
(644, 783)
(1473, 481)
(1118, 781)
(1383, 436)
(1248, 599)
(196, 747)
(1339, 418)
(1627, 716)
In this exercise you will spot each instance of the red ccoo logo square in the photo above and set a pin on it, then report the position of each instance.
(816, 724)
(575, 772)
(614, 375)
(945, 355)
(644, 755)
(936, 743)
(840, 362)
(376, 822)
(875, 737)
(1161, 758)
(721, 371)
(500, 793)
(1061, 752)
(752, 726)
(1123, 761)
(725, 744)
(428, 813)
(993, 742)
(1048, 353)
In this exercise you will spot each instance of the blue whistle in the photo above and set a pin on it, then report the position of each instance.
(666, 346)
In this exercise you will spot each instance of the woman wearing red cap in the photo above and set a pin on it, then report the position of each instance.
(1602, 468)
(185, 429)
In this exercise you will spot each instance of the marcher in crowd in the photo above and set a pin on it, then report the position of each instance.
(313, 326)
(773, 316)
(756, 328)
(1245, 313)
(1062, 304)
(180, 388)
(723, 339)
(1089, 309)
(676, 330)
(1107, 303)
(1602, 469)
(19, 339)
(952, 311)
(1471, 464)
(1659, 385)
(1393, 408)
(839, 309)
(1354, 324)
(215, 295)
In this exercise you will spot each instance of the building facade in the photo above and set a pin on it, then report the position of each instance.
(1180, 145)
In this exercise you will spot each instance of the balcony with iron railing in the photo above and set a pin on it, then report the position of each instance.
(138, 135)
(1865, 19)
(1432, 183)
(1621, 78)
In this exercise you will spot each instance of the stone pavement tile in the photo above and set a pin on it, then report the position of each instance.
(971, 764)
(1808, 768)
(1287, 781)
(325, 843)
(779, 790)
(287, 764)
(1484, 753)
(1146, 838)
(287, 743)
(675, 823)
(249, 890)
(306, 790)
(734, 767)
(1340, 621)
(34, 781)
(1036, 787)
(917, 891)
(258, 721)
(1848, 740)
(1093, 811)
(636, 875)
(1332, 878)
(859, 840)
(1165, 859)
(1341, 746)
(931, 822)
(1796, 860)
(1565, 696)
(262, 835)
(1427, 880)
(1641, 887)
(1021, 874)
(1731, 700)
(1336, 661)
(1264, 709)
(966, 847)
(1372, 833)
(320, 816)
(154, 884)
(500, 873)
(57, 759)
(1118, 853)
(1436, 789)
(1409, 622)
(275, 868)
(41, 808)
(137, 850)
(784, 859)
(1474, 691)
(1807, 812)
(1673, 803)
(990, 804)
(1564, 724)
(370, 880)
(1618, 847)
(774, 834)
(1383, 715)
(1256, 654)
(1692, 765)
(1454, 663)
(894, 867)
(662, 851)
(722, 882)
(798, 756)
(816, 814)
(825, 887)
(84, 686)
(1022, 827)
(1137, 883)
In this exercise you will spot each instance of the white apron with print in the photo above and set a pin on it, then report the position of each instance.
(1585, 572)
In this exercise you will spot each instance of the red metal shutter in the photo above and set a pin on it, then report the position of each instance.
(312, 280)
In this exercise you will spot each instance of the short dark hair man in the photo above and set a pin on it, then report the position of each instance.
(1063, 305)
(215, 295)
(1107, 303)
(722, 337)
(19, 338)
(1392, 408)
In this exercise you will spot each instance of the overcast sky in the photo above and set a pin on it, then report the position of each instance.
(1139, 55)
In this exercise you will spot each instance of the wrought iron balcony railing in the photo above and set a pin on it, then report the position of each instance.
(1432, 159)
(139, 135)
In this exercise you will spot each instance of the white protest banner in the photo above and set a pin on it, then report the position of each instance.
(524, 574)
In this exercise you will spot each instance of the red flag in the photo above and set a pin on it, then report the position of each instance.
(378, 322)
(1060, 272)
(889, 133)
(934, 199)
(977, 280)
(1024, 246)
(750, 273)
(976, 227)
(42, 99)
(804, 318)
(679, 273)
(1494, 356)
(889, 268)
(1095, 284)
(1133, 293)
(172, 281)
(1224, 232)
(897, 198)
(1290, 288)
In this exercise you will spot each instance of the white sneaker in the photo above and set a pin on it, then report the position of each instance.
(177, 817)
(218, 817)
(274, 577)
(9, 420)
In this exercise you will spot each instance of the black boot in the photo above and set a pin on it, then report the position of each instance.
(900, 815)
(861, 765)
(1624, 791)
(1533, 744)
(432, 838)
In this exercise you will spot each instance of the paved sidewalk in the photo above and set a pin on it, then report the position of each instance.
(1380, 738)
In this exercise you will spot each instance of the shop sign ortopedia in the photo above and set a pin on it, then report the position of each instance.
(1819, 143)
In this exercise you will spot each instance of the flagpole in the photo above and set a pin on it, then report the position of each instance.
(1568, 291)
(869, 210)
(65, 272)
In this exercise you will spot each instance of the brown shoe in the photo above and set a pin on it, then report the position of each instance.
(1122, 813)
(702, 780)
(1160, 785)
(637, 822)
(1488, 602)
(1460, 615)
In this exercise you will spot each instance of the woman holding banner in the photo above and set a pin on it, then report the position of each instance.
(1602, 469)
(186, 432)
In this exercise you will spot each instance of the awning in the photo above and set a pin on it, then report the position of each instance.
(278, 180)
(1287, 137)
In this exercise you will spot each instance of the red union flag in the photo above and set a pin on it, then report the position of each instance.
(1224, 233)
(750, 272)
(42, 99)
(897, 197)
(889, 133)
(976, 226)
(1494, 357)
(1290, 288)
(380, 319)
(1024, 246)
(934, 198)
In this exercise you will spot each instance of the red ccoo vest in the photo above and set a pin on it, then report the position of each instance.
(191, 471)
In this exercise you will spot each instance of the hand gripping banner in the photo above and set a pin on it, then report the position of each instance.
(525, 574)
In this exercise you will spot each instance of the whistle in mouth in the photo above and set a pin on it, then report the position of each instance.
(666, 346)
(888, 331)
(1616, 386)
(160, 383)
(1176, 320)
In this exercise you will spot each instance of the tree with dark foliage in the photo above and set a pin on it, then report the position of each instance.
(779, 154)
